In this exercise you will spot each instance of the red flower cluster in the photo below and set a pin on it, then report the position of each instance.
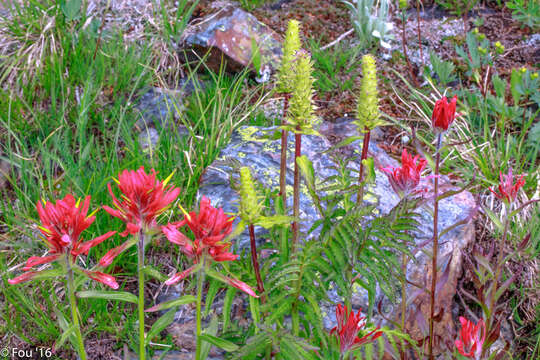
(210, 227)
(444, 113)
(405, 179)
(471, 338)
(144, 198)
(348, 326)
(507, 189)
(61, 225)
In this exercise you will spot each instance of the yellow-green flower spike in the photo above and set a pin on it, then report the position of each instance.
(290, 46)
(250, 205)
(368, 116)
(301, 110)
(403, 4)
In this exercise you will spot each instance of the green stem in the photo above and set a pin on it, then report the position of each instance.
(403, 290)
(200, 282)
(498, 271)
(435, 249)
(74, 312)
(365, 146)
(283, 164)
(140, 273)
(296, 192)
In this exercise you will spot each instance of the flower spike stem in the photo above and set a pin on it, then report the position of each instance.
(255, 261)
(365, 147)
(404, 43)
(283, 164)
(74, 312)
(296, 193)
(435, 248)
(498, 269)
(200, 283)
(140, 273)
(418, 31)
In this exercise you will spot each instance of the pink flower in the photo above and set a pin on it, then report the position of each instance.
(507, 189)
(348, 326)
(143, 199)
(405, 180)
(471, 338)
(444, 113)
(61, 226)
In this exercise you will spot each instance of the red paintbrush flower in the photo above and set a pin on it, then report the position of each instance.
(507, 189)
(444, 113)
(405, 180)
(471, 338)
(348, 326)
(143, 199)
(209, 226)
(61, 226)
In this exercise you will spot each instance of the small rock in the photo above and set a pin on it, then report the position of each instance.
(148, 138)
(158, 106)
(232, 32)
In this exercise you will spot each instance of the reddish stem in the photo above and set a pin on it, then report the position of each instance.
(418, 30)
(283, 164)
(365, 146)
(404, 43)
(255, 261)
(435, 250)
(296, 193)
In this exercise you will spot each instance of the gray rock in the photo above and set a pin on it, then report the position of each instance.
(254, 147)
(148, 137)
(158, 106)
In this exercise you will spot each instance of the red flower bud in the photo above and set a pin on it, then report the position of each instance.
(444, 113)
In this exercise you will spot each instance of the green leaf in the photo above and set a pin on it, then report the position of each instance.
(64, 325)
(227, 305)
(256, 57)
(515, 82)
(71, 9)
(159, 325)
(186, 299)
(254, 308)
(493, 218)
(211, 330)
(154, 273)
(213, 288)
(48, 274)
(269, 221)
(220, 343)
(108, 295)
(65, 335)
(370, 170)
